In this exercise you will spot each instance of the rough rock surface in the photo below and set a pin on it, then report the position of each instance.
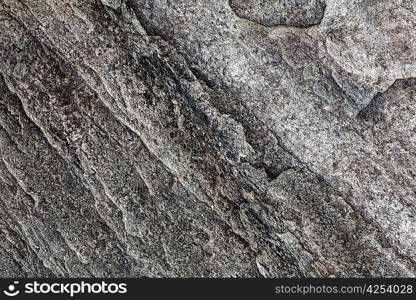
(207, 138)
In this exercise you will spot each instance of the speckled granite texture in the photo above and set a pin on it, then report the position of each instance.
(208, 138)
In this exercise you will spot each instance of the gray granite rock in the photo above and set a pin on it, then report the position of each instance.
(208, 138)
(297, 13)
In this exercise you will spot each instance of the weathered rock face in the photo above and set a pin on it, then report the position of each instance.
(297, 13)
(207, 138)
